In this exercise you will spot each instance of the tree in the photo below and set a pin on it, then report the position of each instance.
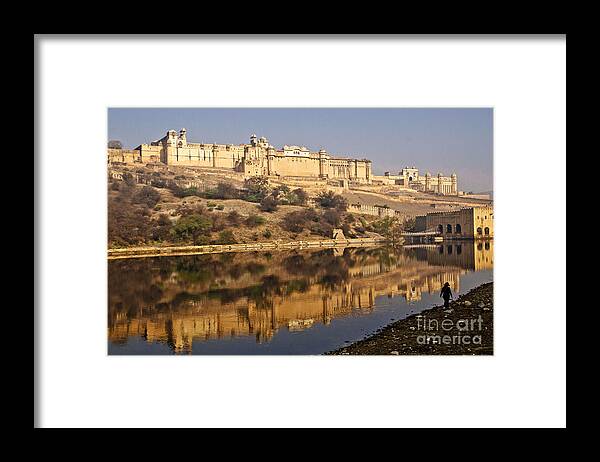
(194, 227)
(257, 187)
(409, 224)
(390, 228)
(115, 144)
(329, 200)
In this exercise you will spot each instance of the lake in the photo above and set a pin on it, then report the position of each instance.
(280, 303)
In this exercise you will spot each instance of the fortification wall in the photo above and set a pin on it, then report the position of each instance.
(294, 166)
(373, 210)
(126, 156)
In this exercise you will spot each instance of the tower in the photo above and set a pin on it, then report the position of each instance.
(270, 154)
(171, 138)
(263, 142)
(253, 140)
(440, 190)
(182, 138)
(454, 183)
(323, 159)
(427, 181)
(170, 147)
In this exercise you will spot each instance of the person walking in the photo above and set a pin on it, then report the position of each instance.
(446, 294)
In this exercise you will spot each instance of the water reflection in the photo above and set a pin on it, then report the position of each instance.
(181, 300)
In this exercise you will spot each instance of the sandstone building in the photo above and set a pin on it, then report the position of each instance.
(467, 223)
(409, 177)
(258, 158)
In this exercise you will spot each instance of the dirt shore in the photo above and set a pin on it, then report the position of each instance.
(465, 328)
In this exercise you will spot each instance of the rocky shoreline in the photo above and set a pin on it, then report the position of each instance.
(465, 328)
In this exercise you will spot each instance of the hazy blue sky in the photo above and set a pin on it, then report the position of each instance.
(444, 140)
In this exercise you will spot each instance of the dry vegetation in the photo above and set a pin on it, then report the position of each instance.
(165, 213)
(179, 206)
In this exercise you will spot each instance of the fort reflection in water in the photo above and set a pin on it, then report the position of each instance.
(177, 301)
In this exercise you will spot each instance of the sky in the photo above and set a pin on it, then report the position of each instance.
(446, 140)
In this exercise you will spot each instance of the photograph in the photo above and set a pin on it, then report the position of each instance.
(300, 231)
(224, 223)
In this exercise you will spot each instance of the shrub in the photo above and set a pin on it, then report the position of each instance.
(211, 205)
(234, 218)
(163, 219)
(322, 228)
(388, 227)
(333, 217)
(147, 196)
(267, 234)
(257, 188)
(409, 224)
(299, 197)
(185, 209)
(127, 224)
(225, 191)
(192, 227)
(329, 200)
(226, 237)
(159, 183)
(220, 207)
(269, 204)
(299, 220)
(180, 192)
(280, 192)
(128, 178)
(161, 228)
(218, 222)
(254, 220)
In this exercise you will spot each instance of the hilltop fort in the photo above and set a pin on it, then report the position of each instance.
(260, 158)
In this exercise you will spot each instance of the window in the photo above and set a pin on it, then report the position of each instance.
(479, 231)
(457, 229)
(448, 228)
(486, 231)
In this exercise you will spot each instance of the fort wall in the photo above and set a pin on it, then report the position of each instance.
(258, 158)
